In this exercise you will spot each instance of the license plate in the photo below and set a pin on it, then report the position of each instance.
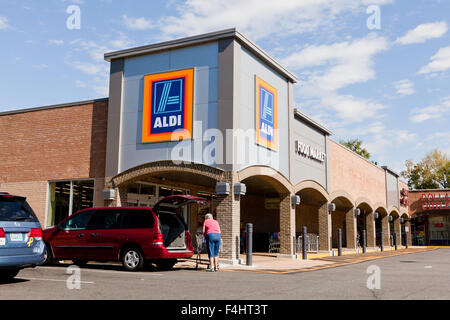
(16, 237)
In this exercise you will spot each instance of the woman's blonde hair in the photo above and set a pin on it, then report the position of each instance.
(208, 216)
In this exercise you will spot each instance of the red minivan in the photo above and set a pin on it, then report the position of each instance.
(132, 235)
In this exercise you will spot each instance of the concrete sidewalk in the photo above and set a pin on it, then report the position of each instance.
(275, 263)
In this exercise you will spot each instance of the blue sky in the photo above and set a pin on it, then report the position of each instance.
(388, 86)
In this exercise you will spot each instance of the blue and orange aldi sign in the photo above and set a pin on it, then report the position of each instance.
(168, 102)
(266, 115)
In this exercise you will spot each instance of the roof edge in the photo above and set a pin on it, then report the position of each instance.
(200, 39)
(61, 105)
(310, 121)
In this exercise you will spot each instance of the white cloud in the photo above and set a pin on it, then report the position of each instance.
(379, 144)
(80, 84)
(95, 50)
(91, 68)
(437, 111)
(404, 87)
(424, 32)
(121, 43)
(351, 109)
(40, 66)
(4, 23)
(57, 42)
(258, 18)
(137, 23)
(328, 68)
(439, 62)
(346, 62)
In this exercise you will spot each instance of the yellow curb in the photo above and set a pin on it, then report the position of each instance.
(359, 259)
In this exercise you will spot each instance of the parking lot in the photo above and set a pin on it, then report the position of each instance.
(422, 275)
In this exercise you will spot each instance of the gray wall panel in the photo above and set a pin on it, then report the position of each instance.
(392, 192)
(302, 167)
(249, 67)
(204, 59)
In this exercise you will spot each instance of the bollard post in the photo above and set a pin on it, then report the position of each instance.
(381, 241)
(304, 244)
(238, 248)
(364, 243)
(294, 246)
(249, 243)
(339, 242)
(406, 243)
(395, 240)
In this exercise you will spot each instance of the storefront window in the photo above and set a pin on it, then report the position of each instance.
(164, 192)
(67, 197)
(439, 230)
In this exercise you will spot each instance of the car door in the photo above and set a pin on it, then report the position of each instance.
(103, 235)
(172, 224)
(70, 240)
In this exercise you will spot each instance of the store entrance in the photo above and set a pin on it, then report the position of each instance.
(418, 231)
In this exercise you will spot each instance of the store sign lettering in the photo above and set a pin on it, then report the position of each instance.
(435, 196)
(436, 201)
(436, 206)
(309, 152)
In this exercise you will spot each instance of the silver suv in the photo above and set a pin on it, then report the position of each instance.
(21, 242)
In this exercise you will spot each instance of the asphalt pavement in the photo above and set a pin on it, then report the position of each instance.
(422, 275)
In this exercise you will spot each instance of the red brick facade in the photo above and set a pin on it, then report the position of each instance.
(67, 142)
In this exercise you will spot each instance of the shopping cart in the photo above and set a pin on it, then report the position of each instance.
(200, 247)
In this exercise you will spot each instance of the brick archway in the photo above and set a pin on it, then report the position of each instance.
(165, 166)
(265, 183)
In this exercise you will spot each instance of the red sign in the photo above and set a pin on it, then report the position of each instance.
(435, 197)
(436, 205)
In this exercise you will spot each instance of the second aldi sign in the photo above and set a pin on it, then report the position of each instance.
(266, 114)
(168, 103)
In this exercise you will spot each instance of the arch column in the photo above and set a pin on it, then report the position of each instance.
(386, 230)
(350, 222)
(287, 225)
(398, 230)
(408, 234)
(324, 228)
(370, 232)
(229, 215)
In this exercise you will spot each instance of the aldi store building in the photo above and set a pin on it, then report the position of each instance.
(210, 115)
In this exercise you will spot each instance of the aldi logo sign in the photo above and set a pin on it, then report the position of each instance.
(168, 101)
(266, 115)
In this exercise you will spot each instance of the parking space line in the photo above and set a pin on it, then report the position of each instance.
(55, 280)
(109, 271)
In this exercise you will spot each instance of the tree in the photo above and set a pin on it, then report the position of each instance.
(432, 172)
(355, 146)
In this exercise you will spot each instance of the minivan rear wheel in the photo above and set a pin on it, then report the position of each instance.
(48, 255)
(8, 274)
(132, 259)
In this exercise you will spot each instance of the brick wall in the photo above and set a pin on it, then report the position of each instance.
(358, 177)
(60, 143)
(36, 193)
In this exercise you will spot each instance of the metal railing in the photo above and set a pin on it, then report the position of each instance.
(274, 245)
(312, 242)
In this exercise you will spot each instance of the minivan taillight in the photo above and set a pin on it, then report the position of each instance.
(35, 233)
(2, 233)
(158, 241)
